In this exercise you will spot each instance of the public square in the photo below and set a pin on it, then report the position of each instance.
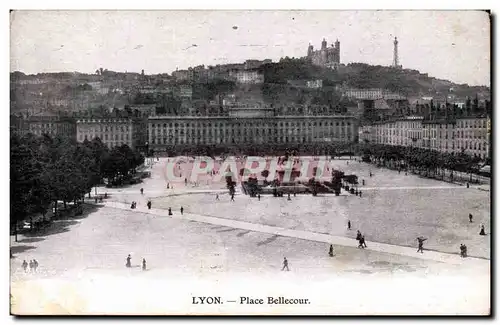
(222, 246)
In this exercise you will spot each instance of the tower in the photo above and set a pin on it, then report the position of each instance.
(310, 50)
(323, 44)
(395, 60)
(337, 49)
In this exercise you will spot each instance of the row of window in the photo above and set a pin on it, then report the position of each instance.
(252, 125)
(103, 128)
(116, 137)
(298, 139)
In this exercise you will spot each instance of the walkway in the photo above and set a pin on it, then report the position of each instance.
(307, 235)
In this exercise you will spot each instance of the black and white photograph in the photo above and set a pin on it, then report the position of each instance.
(250, 162)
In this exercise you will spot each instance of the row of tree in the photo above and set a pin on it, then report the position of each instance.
(46, 170)
(432, 162)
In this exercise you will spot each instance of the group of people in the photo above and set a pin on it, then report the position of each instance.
(360, 238)
(463, 250)
(33, 264)
(129, 262)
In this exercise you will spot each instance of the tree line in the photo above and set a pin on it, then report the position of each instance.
(430, 162)
(45, 170)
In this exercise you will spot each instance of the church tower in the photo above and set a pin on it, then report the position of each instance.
(337, 50)
(310, 50)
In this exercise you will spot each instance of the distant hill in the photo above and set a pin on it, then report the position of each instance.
(361, 75)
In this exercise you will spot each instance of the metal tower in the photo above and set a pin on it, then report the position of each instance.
(395, 60)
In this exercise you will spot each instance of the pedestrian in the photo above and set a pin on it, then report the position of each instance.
(32, 265)
(142, 191)
(330, 251)
(149, 204)
(358, 235)
(25, 266)
(168, 185)
(169, 211)
(482, 232)
(465, 251)
(360, 193)
(128, 264)
(289, 199)
(182, 210)
(285, 265)
(35, 264)
(232, 197)
(258, 196)
(348, 224)
(470, 217)
(96, 199)
(363, 242)
(462, 250)
(421, 244)
(216, 197)
(363, 182)
(467, 184)
(144, 264)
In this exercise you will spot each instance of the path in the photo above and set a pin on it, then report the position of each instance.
(307, 235)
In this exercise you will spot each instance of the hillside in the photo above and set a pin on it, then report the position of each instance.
(360, 75)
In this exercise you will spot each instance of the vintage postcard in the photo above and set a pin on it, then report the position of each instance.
(256, 162)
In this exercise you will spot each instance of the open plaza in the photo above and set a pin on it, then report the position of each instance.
(233, 248)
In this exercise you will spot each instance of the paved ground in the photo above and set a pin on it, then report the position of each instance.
(237, 246)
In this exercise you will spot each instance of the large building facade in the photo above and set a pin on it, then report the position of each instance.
(113, 131)
(467, 135)
(52, 125)
(191, 131)
(328, 57)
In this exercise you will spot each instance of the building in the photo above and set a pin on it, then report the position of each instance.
(314, 84)
(183, 75)
(328, 57)
(405, 131)
(113, 131)
(247, 76)
(467, 135)
(185, 91)
(244, 128)
(52, 125)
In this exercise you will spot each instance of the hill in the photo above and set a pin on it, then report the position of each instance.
(360, 75)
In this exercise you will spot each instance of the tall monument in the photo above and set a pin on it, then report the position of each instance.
(395, 60)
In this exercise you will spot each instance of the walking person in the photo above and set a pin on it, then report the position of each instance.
(142, 191)
(128, 264)
(258, 196)
(348, 224)
(216, 197)
(144, 264)
(421, 244)
(285, 265)
(362, 243)
(32, 265)
(482, 232)
(470, 217)
(182, 211)
(25, 266)
(232, 197)
(35, 264)
(330, 251)
(358, 235)
(149, 204)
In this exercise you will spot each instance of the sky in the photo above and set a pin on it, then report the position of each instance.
(452, 45)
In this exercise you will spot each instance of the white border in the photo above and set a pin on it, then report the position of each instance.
(186, 4)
